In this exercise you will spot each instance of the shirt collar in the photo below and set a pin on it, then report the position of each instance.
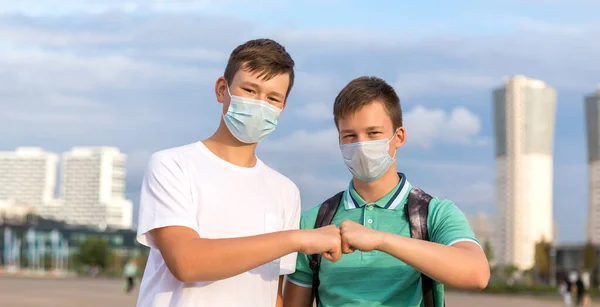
(391, 200)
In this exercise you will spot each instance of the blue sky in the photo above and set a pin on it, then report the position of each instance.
(139, 75)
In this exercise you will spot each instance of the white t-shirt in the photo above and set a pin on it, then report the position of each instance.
(190, 186)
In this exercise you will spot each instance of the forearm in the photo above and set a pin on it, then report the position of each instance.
(452, 266)
(214, 259)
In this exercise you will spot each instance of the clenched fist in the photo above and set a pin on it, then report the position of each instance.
(359, 237)
(324, 240)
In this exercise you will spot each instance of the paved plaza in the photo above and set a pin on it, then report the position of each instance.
(24, 292)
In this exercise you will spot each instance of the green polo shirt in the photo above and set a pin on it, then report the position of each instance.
(376, 278)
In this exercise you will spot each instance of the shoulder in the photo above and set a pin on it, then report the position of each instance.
(440, 204)
(441, 209)
(445, 207)
(171, 159)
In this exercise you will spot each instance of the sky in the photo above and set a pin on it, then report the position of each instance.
(139, 75)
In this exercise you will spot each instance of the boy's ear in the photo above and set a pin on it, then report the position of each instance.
(221, 89)
(400, 138)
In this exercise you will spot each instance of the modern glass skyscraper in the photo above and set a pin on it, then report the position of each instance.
(592, 119)
(524, 120)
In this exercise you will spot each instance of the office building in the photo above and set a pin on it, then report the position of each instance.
(524, 120)
(28, 176)
(93, 189)
(592, 119)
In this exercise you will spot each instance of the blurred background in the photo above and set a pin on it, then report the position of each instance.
(501, 104)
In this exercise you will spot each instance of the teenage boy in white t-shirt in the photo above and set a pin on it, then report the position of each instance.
(223, 226)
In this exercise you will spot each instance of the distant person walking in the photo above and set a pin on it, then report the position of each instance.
(565, 292)
(130, 271)
(580, 291)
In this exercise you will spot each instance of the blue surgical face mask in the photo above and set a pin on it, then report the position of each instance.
(368, 161)
(250, 120)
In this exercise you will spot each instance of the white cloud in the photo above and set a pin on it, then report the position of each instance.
(321, 143)
(60, 7)
(443, 82)
(56, 71)
(320, 90)
(316, 189)
(328, 39)
(426, 126)
(315, 111)
(470, 195)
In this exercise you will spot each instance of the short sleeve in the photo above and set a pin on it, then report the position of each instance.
(292, 222)
(448, 224)
(303, 274)
(165, 198)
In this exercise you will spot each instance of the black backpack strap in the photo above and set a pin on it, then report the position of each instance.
(324, 217)
(417, 210)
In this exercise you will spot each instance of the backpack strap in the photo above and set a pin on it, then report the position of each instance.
(417, 210)
(324, 217)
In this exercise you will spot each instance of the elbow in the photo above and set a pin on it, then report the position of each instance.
(181, 274)
(481, 278)
(183, 277)
(180, 270)
(475, 278)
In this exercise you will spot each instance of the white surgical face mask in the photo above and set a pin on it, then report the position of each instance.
(368, 161)
(250, 120)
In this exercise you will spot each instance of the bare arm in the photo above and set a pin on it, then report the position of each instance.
(462, 265)
(191, 258)
(297, 296)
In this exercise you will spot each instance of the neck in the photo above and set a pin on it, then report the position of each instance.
(376, 190)
(225, 146)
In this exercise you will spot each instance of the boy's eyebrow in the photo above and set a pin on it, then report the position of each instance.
(371, 128)
(249, 83)
(256, 86)
(274, 93)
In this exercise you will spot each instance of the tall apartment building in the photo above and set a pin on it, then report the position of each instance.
(28, 176)
(93, 188)
(592, 119)
(524, 120)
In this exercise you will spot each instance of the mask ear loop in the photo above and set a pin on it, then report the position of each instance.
(390, 140)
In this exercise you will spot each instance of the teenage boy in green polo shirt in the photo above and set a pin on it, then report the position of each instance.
(382, 264)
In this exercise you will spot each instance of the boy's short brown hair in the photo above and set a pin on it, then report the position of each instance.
(363, 91)
(263, 56)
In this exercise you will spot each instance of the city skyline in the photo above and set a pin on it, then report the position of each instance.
(92, 185)
(141, 77)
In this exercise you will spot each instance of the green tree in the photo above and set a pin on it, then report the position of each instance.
(489, 252)
(589, 257)
(94, 251)
(510, 270)
(542, 259)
